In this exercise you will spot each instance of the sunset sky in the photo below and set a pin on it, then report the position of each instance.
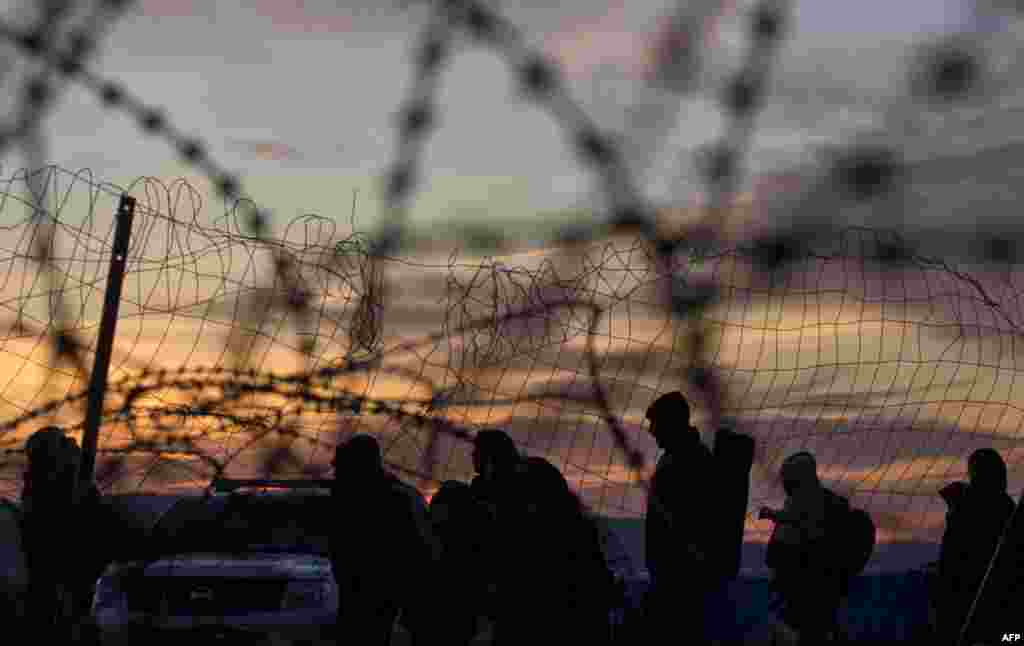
(299, 97)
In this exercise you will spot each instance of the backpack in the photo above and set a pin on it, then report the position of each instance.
(734, 457)
(852, 534)
(861, 531)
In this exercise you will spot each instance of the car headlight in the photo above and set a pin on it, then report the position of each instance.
(108, 595)
(307, 594)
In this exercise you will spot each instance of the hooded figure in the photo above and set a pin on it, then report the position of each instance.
(976, 516)
(498, 464)
(47, 509)
(562, 540)
(679, 520)
(46, 473)
(802, 519)
(807, 563)
(382, 549)
(455, 517)
(499, 468)
(506, 488)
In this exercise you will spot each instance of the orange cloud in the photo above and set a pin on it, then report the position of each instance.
(272, 150)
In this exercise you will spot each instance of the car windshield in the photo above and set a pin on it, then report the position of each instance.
(245, 523)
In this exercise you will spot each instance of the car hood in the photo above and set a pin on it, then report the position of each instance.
(227, 565)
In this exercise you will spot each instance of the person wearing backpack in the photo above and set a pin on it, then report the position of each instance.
(818, 546)
(679, 526)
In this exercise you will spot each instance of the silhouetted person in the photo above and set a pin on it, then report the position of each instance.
(999, 603)
(806, 554)
(497, 463)
(679, 508)
(977, 514)
(381, 547)
(47, 506)
(95, 549)
(456, 518)
(562, 541)
(498, 488)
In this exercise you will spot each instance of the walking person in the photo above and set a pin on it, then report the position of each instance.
(678, 525)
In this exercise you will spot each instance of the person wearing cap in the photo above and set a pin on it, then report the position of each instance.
(382, 548)
(676, 524)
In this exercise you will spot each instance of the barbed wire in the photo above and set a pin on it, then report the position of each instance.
(497, 323)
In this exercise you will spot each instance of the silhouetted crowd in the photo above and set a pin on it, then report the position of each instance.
(518, 548)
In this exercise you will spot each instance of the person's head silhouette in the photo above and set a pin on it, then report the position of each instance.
(669, 417)
(799, 471)
(546, 488)
(494, 452)
(452, 500)
(46, 450)
(47, 442)
(987, 471)
(360, 456)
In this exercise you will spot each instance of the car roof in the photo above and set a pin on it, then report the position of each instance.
(212, 505)
(228, 485)
(267, 493)
(221, 499)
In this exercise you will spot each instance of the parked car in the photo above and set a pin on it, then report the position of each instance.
(247, 562)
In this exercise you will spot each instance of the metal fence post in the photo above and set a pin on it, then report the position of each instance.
(105, 342)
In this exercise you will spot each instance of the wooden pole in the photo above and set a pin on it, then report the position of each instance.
(105, 342)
